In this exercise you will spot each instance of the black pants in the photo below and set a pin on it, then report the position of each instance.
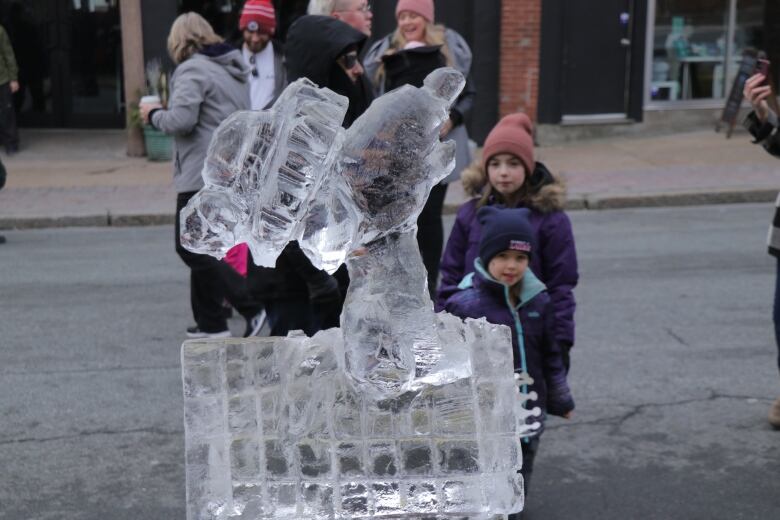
(212, 281)
(776, 313)
(8, 134)
(529, 454)
(430, 235)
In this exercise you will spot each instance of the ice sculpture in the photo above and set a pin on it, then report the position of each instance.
(400, 413)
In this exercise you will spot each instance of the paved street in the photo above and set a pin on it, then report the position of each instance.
(673, 373)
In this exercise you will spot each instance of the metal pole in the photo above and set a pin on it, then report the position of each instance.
(729, 59)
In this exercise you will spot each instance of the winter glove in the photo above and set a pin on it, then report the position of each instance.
(323, 288)
(559, 401)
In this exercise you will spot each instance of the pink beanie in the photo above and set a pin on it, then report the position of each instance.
(422, 7)
(511, 135)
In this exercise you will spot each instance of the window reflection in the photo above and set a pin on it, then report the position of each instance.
(691, 53)
(748, 32)
(689, 49)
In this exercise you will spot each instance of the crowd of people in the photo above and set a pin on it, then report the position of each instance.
(511, 256)
(213, 78)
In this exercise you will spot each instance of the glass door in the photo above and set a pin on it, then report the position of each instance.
(70, 68)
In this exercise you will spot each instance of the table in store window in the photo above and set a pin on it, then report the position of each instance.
(718, 63)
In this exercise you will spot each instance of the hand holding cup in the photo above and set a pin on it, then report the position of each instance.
(146, 105)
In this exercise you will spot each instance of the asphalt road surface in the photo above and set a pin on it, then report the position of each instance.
(673, 372)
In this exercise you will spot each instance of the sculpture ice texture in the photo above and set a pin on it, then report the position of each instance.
(263, 171)
(400, 413)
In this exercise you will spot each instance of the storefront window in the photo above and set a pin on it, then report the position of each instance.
(689, 49)
(692, 57)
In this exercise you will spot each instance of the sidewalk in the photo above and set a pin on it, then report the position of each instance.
(83, 177)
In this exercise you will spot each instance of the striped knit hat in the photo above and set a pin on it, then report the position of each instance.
(258, 15)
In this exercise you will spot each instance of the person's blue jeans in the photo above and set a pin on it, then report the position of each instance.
(776, 313)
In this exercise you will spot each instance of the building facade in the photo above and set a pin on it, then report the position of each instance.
(568, 63)
(623, 62)
(70, 51)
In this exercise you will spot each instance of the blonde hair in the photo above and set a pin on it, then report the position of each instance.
(321, 7)
(190, 32)
(435, 34)
(326, 7)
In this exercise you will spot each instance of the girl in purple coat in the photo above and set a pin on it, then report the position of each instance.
(509, 176)
(505, 292)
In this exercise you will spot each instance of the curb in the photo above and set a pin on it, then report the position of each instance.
(107, 220)
(659, 200)
(577, 202)
(679, 199)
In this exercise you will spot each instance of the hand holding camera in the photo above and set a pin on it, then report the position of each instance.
(146, 105)
(758, 90)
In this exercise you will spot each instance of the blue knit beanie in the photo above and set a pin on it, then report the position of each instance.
(503, 229)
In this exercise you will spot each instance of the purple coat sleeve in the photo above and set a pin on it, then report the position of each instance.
(453, 261)
(559, 398)
(559, 271)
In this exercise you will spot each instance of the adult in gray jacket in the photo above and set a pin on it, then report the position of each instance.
(209, 84)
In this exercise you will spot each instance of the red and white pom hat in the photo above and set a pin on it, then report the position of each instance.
(258, 15)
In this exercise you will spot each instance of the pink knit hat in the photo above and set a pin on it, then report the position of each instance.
(422, 7)
(511, 135)
(258, 15)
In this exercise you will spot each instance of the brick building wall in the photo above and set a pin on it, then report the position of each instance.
(521, 22)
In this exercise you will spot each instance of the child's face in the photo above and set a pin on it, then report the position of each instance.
(508, 266)
(506, 173)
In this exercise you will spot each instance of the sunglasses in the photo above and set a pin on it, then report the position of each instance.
(254, 68)
(363, 9)
(349, 59)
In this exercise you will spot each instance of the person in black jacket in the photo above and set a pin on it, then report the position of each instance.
(297, 295)
(325, 50)
(764, 126)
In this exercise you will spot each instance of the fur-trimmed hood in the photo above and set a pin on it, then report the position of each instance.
(548, 191)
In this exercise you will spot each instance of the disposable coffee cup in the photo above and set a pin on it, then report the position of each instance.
(150, 100)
